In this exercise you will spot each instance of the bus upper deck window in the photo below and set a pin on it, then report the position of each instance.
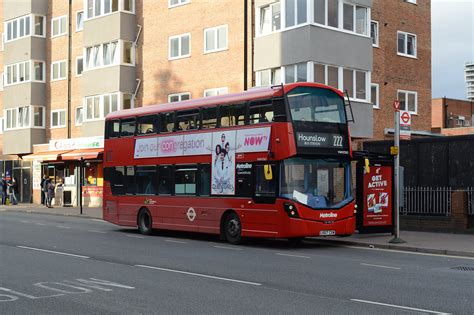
(261, 112)
(147, 124)
(167, 122)
(127, 127)
(209, 118)
(233, 115)
(112, 129)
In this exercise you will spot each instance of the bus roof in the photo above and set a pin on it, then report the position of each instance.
(249, 95)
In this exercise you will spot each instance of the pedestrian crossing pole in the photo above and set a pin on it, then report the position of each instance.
(396, 200)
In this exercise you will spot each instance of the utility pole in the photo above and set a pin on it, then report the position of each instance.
(396, 204)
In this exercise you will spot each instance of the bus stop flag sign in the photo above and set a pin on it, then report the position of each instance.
(405, 123)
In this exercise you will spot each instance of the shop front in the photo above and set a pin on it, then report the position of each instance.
(70, 164)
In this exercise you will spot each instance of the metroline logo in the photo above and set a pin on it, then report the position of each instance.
(328, 215)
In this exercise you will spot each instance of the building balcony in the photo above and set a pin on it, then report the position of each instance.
(21, 141)
(103, 29)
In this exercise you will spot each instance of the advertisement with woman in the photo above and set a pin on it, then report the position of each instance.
(223, 163)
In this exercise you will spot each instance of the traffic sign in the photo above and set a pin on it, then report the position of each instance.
(396, 105)
(405, 118)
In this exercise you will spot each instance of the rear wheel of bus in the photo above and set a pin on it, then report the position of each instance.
(233, 228)
(145, 221)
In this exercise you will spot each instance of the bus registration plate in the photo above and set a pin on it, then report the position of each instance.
(327, 232)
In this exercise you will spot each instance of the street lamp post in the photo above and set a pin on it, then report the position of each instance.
(81, 175)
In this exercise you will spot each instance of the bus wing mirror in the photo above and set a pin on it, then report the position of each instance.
(267, 169)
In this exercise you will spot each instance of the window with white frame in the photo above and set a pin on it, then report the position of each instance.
(355, 18)
(11, 115)
(175, 3)
(178, 97)
(38, 116)
(39, 26)
(23, 117)
(79, 21)
(108, 54)
(79, 116)
(406, 43)
(18, 28)
(374, 95)
(295, 12)
(269, 77)
(179, 46)
(79, 65)
(374, 33)
(58, 70)
(58, 118)
(21, 72)
(296, 73)
(97, 8)
(215, 39)
(355, 83)
(269, 18)
(408, 100)
(59, 26)
(98, 106)
(217, 91)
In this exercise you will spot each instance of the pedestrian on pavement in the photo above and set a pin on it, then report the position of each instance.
(4, 190)
(13, 186)
(44, 189)
(50, 188)
(43, 198)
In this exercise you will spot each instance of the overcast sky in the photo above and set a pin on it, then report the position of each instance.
(452, 45)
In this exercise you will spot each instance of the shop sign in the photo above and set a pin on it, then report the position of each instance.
(36, 174)
(76, 143)
(377, 207)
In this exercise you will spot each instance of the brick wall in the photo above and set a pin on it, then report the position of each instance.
(393, 72)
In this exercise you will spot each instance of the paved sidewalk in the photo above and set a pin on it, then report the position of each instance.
(424, 242)
(70, 211)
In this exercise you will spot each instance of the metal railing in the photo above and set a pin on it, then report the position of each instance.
(470, 201)
(427, 201)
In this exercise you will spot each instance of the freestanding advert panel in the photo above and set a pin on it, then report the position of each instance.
(375, 192)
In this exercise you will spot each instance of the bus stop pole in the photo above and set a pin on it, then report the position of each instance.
(396, 200)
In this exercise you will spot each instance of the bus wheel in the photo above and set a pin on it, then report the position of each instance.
(233, 229)
(145, 222)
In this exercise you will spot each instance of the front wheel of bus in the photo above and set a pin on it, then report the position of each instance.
(145, 222)
(233, 229)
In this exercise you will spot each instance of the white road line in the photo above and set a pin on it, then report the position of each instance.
(401, 307)
(24, 221)
(40, 223)
(200, 275)
(133, 236)
(53, 252)
(173, 241)
(380, 266)
(62, 227)
(94, 231)
(227, 247)
(406, 252)
(289, 255)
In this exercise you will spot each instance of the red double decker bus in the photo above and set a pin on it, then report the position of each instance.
(268, 162)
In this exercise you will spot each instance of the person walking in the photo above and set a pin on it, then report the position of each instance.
(50, 188)
(4, 190)
(44, 189)
(13, 187)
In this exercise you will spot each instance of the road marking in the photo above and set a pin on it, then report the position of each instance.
(62, 227)
(289, 255)
(380, 266)
(53, 252)
(401, 307)
(94, 231)
(406, 252)
(40, 223)
(199, 275)
(227, 247)
(134, 236)
(24, 221)
(174, 241)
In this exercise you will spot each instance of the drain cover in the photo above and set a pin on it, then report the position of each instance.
(464, 268)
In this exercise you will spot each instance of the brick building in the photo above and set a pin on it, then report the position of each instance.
(69, 63)
(452, 117)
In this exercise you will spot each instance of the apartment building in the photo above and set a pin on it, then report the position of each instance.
(67, 64)
(469, 70)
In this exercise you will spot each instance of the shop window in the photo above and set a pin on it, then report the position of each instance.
(93, 173)
(146, 180)
(185, 180)
(147, 124)
(165, 176)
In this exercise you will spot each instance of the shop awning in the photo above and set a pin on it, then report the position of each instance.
(45, 155)
(86, 154)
